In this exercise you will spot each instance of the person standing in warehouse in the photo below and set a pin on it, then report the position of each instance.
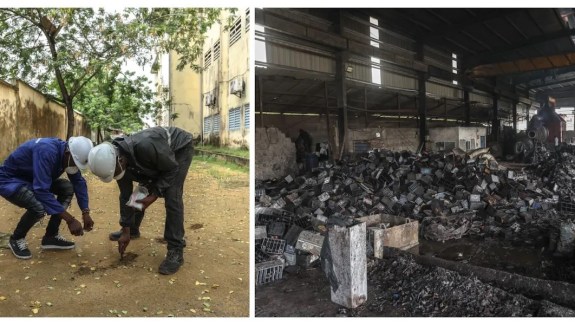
(29, 179)
(158, 158)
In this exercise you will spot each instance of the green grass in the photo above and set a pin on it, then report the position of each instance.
(217, 172)
(227, 175)
(244, 153)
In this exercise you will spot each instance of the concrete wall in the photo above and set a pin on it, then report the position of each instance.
(186, 95)
(396, 139)
(9, 103)
(26, 113)
(275, 154)
(233, 62)
(392, 137)
(456, 134)
(470, 134)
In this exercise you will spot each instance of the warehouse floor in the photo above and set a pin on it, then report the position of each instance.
(306, 293)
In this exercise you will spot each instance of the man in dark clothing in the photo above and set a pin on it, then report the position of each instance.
(303, 145)
(158, 158)
(29, 179)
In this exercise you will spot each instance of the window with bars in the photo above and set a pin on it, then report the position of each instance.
(246, 116)
(234, 119)
(207, 124)
(247, 20)
(207, 58)
(216, 123)
(236, 32)
(217, 50)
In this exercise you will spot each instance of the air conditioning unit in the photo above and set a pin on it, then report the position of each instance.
(209, 99)
(237, 86)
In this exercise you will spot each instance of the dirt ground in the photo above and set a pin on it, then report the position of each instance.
(92, 281)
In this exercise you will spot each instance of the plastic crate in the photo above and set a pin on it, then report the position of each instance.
(273, 246)
(265, 216)
(567, 207)
(270, 271)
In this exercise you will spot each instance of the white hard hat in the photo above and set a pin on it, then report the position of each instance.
(80, 148)
(102, 161)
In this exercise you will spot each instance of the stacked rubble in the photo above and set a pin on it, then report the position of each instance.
(275, 154)
(451, 194)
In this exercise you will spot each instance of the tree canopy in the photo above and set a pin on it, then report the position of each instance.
(64, 52)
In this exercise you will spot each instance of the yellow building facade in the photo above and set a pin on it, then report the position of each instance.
(215, 104)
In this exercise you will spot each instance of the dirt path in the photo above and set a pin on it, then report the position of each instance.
(91, 280)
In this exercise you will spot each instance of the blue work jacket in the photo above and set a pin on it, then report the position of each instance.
(36, 164)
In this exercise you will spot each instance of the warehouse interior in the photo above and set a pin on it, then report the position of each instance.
(392, 100)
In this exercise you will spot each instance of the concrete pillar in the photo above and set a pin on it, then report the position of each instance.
(348, 271)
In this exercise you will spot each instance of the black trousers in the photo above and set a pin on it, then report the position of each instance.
(24, 198)
(174, 202)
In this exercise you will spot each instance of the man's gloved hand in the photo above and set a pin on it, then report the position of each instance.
(147, 201)
(88, 222)
(124, 241)
(75, 227)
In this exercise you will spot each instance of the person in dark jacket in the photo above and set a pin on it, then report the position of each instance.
(157, 158)
(29, 179)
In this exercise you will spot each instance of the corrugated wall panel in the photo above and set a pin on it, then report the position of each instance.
(480, 98)
(360, 72)
(400, 42)
(443, 91)
(391, 79)
(293, 58)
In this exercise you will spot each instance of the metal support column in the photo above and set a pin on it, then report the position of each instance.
(329, 135)
(341, 92)
(261, 99)
(365, 106)
(445, 111)
(398, 111)
(421, 80)
(467, 107)
(495, 120)
(515, 116)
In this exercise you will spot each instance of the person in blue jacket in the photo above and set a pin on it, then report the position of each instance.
(29, 178)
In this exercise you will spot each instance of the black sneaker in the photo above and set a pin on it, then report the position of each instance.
(174, 259)
(56, 242)
(114, 236)
(20, 248)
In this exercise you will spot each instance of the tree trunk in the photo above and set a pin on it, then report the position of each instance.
(561, 293)
(99, 137)
(50, 36)
(71, 119)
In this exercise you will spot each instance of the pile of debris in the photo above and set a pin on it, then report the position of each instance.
(434, 291)
(452, 195)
